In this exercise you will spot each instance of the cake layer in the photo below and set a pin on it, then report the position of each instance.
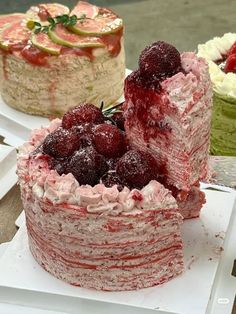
(173, 123)
(66, 81)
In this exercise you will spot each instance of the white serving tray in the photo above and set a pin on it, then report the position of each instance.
(8, 176)
(15, 126)
(23, 281)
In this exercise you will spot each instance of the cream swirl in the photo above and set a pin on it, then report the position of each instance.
(213, 50)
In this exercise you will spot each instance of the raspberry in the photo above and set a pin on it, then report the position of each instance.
(136, 168)
(232, 50)
(118, 117)
(61, 143)
(84, 113)
(87, 166)
(111, 178)
(58, 165)
(230, 65)
(111, 163)
(159, 60)
(85, 133)
(109, 141)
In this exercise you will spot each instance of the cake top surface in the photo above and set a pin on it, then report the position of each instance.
(47, 185)
(52, 29)
(222, 63)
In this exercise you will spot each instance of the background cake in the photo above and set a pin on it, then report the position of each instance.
(220, 53)
(47, 68)
(108, 235)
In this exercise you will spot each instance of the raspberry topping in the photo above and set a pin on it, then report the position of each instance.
(87, 166)
(84, 113)
(230, 65)
(85, 133)
(61, 143)
(159, 61)
(136, 168)
(232, 50)
(111, 178)
(109, 141)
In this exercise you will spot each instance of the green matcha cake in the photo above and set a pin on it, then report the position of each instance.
(220, 52)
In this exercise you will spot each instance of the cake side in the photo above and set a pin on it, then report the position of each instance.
(66, 81)
(176, 127)
(98, 237)
(52, 59)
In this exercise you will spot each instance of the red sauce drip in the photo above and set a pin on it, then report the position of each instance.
(51, 90)
(113, 42)
(86, 52)
(35, 56)
(148, 107)
(4, 65)
(137, 196)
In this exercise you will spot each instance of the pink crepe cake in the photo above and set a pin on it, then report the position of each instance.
(97, 215)
(167, 111)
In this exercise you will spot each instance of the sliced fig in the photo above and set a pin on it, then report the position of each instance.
(14, 34)
(10, 18)
(62, 36)
(106, 22)
(84, 8)
(97, 27)
(42, 12)
(44, 43)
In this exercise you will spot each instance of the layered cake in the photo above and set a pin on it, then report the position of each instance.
(104, 211)
(168, 104)
(96, 215)
(52, 59)
(220, 53)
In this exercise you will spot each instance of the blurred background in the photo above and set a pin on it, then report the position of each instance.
(184, 23)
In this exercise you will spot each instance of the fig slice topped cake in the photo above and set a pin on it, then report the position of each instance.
(168, 103)
(52, 58)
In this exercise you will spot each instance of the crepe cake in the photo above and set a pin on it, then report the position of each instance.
(168, 105)
(220, 53)
(96, 215)
(53, 58)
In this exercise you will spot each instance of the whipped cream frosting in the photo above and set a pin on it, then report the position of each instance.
(46, 184)
(213, 50)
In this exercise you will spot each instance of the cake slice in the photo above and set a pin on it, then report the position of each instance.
(89, 223)
(167, 109)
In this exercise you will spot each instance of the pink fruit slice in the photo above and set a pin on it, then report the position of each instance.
(44, 43)
(106, 22)
(14, 34)
(42, 12)
(85, 8)
(60, 35)
(9, 18)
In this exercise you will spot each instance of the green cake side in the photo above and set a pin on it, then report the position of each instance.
(223, 126)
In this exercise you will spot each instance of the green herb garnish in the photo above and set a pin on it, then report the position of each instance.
(64, 19)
